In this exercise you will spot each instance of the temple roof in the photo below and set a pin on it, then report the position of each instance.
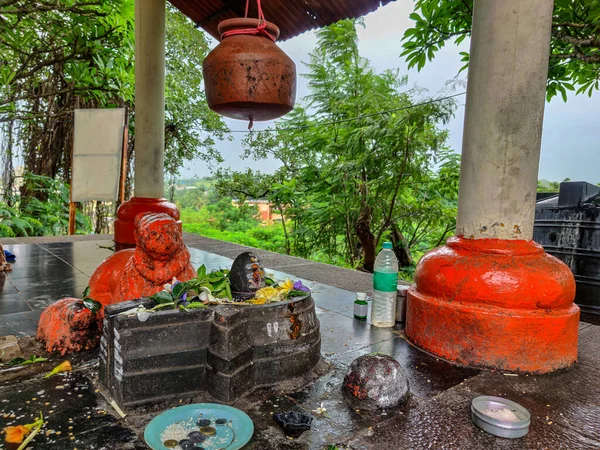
(293, 17)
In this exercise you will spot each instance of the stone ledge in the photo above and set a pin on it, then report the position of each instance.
(229, 350)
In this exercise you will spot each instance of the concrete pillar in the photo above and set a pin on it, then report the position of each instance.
(150, 39)
(492, 297)
(506, 91)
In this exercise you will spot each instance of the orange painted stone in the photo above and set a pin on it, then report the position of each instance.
(67, 325)
(494, 303)
(159, 256)
(129, 210)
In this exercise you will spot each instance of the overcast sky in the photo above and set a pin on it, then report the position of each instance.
(571, 137)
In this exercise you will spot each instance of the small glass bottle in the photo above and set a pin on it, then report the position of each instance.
(361, 307)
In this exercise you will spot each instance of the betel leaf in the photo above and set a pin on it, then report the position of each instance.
(86, 293)
(162, 297)
(202, 271)
(91, 304)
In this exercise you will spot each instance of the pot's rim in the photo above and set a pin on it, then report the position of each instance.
(241, 23)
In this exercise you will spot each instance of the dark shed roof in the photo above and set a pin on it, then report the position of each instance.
(293, 17)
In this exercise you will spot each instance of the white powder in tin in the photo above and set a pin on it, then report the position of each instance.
(504, 414)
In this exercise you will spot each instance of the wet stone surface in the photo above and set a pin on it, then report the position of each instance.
(75, 415)
(335, 420)
(565, 406)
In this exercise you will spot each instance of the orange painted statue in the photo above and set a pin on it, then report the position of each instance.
(67, 325)
(159, 256)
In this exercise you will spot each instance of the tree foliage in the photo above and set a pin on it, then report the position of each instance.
(59, 55)
(361, 161)
(28, 216)
(575, 47)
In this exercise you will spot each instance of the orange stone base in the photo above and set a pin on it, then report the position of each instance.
(496, 304)
(129, 210)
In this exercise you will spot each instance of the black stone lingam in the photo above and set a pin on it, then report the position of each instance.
(247, 276)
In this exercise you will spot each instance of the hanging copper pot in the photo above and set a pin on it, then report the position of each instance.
(247, 76)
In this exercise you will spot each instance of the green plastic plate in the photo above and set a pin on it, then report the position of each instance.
(231, 435)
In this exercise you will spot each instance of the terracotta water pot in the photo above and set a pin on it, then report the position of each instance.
(248, 77)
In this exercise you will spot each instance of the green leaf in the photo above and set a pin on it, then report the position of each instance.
(295, 293)
(16, 361)
(162, 297)
(91, 304)
(196, 305)
(202, 271)
(86, 292)
(179, 289)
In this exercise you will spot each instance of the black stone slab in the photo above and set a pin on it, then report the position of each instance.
(10, 304)
(42, 285)
(427, 375)
(339, 421)
(563, 409)
(341, 334)
(19, 324)
(589, 348)
(69, 404)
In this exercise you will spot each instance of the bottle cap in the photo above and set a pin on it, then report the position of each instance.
(387, 245)
(361, 296)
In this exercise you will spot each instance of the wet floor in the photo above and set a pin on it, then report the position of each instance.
(564, 406)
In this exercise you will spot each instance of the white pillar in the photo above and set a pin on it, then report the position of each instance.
(508, 68)
(150, 37)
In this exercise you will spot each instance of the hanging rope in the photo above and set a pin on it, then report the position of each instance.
(259, 30)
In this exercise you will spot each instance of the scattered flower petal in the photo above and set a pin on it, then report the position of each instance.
(62, 367)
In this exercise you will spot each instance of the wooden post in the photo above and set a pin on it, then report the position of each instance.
(72, 215)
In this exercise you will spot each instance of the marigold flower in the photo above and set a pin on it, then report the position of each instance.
(62, 367)
(15, 435)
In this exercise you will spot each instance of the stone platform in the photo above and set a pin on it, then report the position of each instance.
(564, 406)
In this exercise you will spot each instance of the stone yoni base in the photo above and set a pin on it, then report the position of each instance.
(225, 351)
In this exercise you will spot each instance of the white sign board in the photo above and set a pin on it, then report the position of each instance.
(97, 150)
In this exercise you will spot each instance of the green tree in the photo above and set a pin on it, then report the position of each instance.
(58, 55)
(352, 175)
(575, 47)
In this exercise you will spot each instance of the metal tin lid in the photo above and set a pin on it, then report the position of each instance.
(487, 412)
(361, 296)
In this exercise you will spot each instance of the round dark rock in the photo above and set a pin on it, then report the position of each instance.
(186, 444)
(293, 423)
(221, 421)
(203, 423)
(247, 276)
(196, 437)
(376, 382)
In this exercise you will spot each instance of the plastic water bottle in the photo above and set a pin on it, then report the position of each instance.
(385, 285)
